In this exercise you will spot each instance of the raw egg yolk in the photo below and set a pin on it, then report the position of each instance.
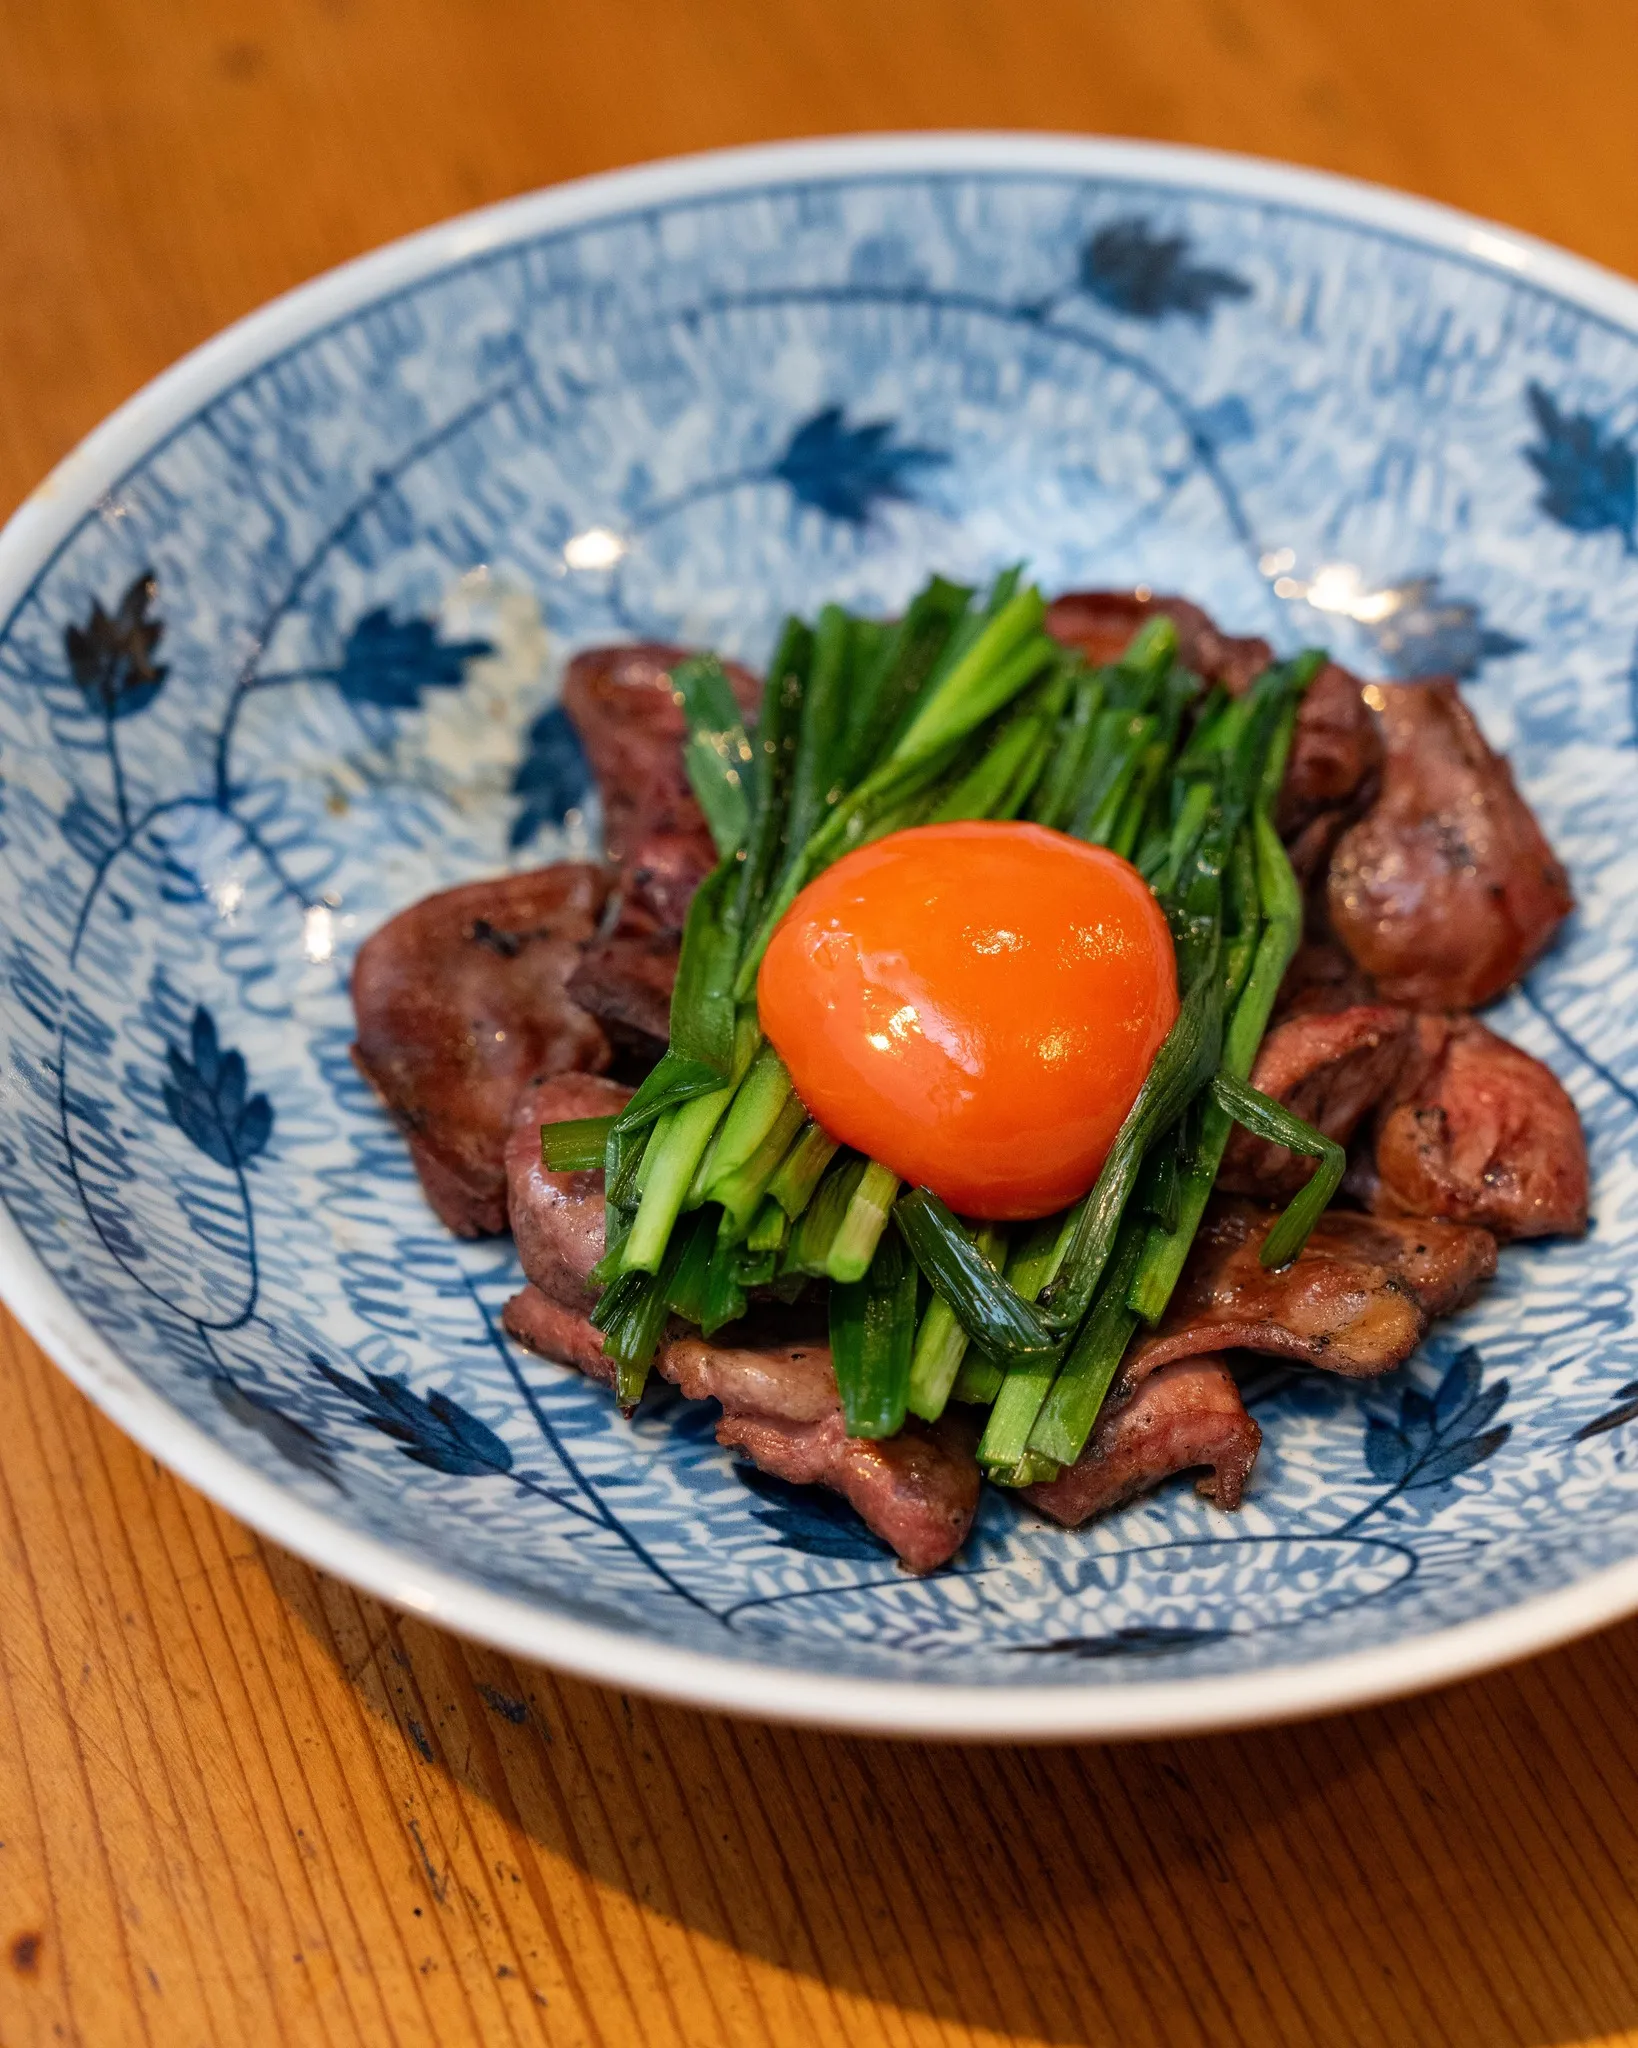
(975, 1005)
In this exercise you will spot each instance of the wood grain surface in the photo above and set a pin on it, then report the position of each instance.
(240, 1803)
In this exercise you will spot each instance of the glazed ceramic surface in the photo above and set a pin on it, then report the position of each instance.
(280, 650)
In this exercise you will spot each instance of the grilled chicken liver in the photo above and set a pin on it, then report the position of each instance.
(621, 702)
(460, 1003)
(1358, 1300)
(1180, 1418)
(1478, 1131)
(1099, 623)
(1331, 1068)
(918, 1490)
(1445, 890)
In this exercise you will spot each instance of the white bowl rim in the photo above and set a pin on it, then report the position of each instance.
(42, 525)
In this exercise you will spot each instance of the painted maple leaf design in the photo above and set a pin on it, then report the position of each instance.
(1131, 269)
(111, 656)
(847, 471)
(1589, 479)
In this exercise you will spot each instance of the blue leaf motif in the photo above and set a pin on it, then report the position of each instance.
(803, 1518)
(205, 1096)
(1417, 1413)
(1460, 1457)
(435, 1431)
(1131, 269)
(1426, 633)
(1387, 1451)
(552, 777)
(845, 472)
(389, 662)
(1438, 1437)
(1589, 482)
(111, 656)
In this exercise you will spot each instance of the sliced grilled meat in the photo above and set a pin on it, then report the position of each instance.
(1482, 1133)
(918, 1491)
(1181, 1417)
(1358, 1301)
(625, 982)
(630, 722)
(1336, 754)
(776, 1368)
(1331, 1069)
(1100, 623)
(1446, 890)
(557, 1218)
(558, 1332)
(460, 1003)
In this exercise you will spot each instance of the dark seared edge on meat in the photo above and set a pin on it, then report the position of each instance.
(557, 1218)
(1446, 890)
(1181, 1418)
(631, 724)
(1332, 772)
(918, 1490)
(625, 982)
(555, 1331)
(1329, 1068)
(1357, 1301)
(460, 1003)
(1100, 623)
(1478, 1131)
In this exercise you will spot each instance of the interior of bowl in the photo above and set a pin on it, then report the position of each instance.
(298, 667)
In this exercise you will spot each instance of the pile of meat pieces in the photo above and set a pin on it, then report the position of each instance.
(491, 1009)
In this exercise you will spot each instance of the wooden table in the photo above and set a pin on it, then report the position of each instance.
(241, 1804)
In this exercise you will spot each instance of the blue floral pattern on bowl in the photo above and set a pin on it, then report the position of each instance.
(298, 666)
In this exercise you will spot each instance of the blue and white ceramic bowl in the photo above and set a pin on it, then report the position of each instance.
(279, 653)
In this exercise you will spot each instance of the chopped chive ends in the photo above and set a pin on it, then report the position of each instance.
(717, 1181)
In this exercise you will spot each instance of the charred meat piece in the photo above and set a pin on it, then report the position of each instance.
(1358, 1300)
(558, 1332)
(622, 704)
(1330, 1069)
(460, 1003)
(1181, 1417)
(1482, 1133)
(1333, 770)
(625, 982)
(557, 1218)
(661, 874)
(918, 1491)
(772, 1367)
(1336, 754)
(1446, 890)
(1100, 623)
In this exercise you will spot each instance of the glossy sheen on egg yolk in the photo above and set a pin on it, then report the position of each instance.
(975, 1005)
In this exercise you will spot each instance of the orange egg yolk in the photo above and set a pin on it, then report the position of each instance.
(975, 1005)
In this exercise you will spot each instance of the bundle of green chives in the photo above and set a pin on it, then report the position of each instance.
(718, 1182)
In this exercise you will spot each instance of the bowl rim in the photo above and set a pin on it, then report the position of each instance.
(41, 527)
